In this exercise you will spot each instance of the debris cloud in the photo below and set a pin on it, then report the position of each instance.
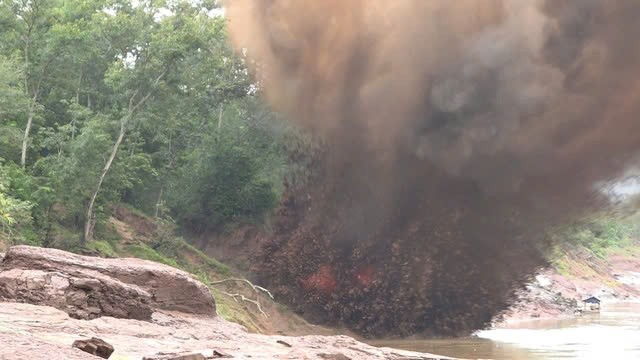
(455, 133)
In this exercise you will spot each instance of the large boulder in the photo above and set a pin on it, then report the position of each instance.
(168, 288)
(82, 296)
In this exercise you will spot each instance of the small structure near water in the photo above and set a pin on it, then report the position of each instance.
(591, 304)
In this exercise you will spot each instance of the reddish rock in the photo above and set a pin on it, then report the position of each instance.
(41, 332)
(82, 296)
(169, 288)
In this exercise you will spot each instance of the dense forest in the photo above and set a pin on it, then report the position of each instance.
(142, 103)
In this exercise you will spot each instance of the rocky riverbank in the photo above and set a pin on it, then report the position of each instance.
(556, 292)
(51, 298)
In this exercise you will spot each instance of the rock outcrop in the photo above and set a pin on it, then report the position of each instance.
(82, 296)
(41, 332)
(88, 287)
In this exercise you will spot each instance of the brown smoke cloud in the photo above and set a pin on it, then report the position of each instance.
(455, 132)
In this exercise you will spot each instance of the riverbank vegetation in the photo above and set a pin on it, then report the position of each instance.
(600, 239)
(105, 102)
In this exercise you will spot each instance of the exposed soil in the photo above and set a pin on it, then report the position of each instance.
(130, 224)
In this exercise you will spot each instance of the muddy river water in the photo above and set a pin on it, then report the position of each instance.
(614, 333)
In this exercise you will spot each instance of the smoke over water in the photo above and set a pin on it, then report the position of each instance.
(455, 133)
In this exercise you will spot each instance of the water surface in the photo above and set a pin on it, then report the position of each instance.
(614, 333)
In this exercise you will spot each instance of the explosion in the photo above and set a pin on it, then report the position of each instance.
(455, 133)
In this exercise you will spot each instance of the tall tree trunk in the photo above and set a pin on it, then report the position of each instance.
(169, 167)
(89, 222)
(158, 202)
(27, 130)
(78, 89)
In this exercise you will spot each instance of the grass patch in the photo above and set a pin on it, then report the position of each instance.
(145, 252)
(562, 266)
(210, 262)
(189, 257)
(233, 311)
(631, 249)
(134, 210)
(103, 248)
(64, 239)
(106, 231)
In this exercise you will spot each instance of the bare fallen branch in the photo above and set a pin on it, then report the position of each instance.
(256, 288)
(235, 296)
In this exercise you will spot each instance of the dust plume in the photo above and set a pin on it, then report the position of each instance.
(455, 133)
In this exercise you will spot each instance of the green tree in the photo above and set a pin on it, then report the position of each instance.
(109, 101)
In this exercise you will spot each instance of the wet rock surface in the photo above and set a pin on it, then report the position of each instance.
(145, 282)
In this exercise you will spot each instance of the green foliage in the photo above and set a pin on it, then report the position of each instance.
(143, 251)
(187, 256)
(103, 248)
(233, 311)
(13, 103)
(600, 236)
(197, 145)
(234, 173)
(16, 222)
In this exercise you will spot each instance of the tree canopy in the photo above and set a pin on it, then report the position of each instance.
(112, 101)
